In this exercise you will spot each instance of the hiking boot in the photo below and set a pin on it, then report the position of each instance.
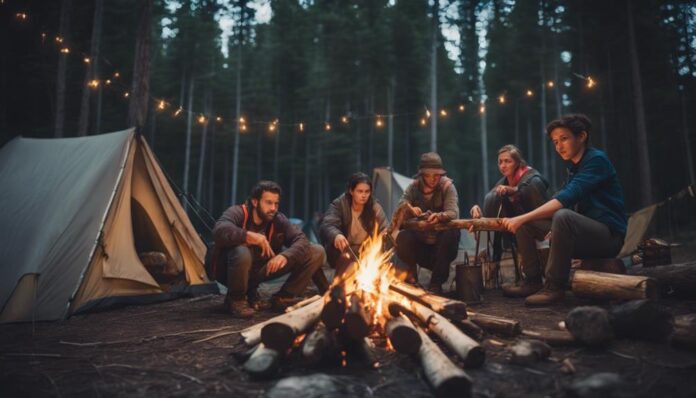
(240, 309)
(523, 289)
(280, 302)
(435, 288)
(257, 302)
(546, 296)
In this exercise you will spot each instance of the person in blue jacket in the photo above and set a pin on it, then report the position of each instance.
(585, 219)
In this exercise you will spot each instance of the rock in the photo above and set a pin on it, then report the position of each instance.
(318, 385)
(590, 325)
(641, 319)
(599, 385)
(525, 352)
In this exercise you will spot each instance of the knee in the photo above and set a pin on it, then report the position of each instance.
(491, 203)
(239, 257)
(405, 238)
(317, 256)
(562, 218)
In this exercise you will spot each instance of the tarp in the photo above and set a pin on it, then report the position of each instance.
(75, 213)
(387, 187)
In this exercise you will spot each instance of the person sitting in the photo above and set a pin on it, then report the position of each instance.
(434, 196)
(586, 218)
(248, 250)
(521, 190)
(350, 219)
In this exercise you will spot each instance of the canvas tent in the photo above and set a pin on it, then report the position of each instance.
(74, 215)
(387, 187)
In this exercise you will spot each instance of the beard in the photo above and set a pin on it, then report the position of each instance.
(266, 217)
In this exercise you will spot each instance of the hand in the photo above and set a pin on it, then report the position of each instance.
(260, 240)
(504, 190)
(475, 212)
(433, 218)
(275, 264)
(417, 211)
(340, 242)
(512, 224)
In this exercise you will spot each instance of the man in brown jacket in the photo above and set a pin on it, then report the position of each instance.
(433, 196)
(249, 239)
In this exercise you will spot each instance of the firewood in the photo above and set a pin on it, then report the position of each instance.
(280, 334)
(402, 335)
(590, 325)
(677, 280)
(470, 328)
(364, 349)
(264, 362)
(685, 331)
(449, 308)
(551, 337)
(478, 224)
(642, 319)
(472, 353)
(496, 324)
(303, 303)
(320, 344)
(358, 319)
(444, 376)
(335, 308)
(601, 285)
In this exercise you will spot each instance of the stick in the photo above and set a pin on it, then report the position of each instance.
(551, 337)
(452, 309)
(280, 334)
(496, 324)
(475, 224)
(303, 303)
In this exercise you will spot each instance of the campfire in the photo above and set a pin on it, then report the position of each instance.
(368, 304)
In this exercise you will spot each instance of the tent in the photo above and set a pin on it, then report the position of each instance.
(74, 215)
(387, 187)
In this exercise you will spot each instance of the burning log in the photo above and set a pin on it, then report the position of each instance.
(402, 335)
(334, 310)
(496, 324)
(603, 285)
(685, 331)
(478, 224)
(358, 317)
(280, 334)
(364, 349)
(446, 378)
(449, 308)
(319, 344)
(677, 280)
(264, 362)
(467, 348)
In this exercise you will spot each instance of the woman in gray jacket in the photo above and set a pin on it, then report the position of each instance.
(350, 220)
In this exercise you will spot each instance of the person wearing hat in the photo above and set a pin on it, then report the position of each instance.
(434, 197)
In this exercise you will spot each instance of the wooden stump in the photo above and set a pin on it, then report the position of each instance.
(677, 280)
(601, 285)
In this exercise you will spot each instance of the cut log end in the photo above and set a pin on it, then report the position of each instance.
(475, 358)
(405, 340)
(457, 386)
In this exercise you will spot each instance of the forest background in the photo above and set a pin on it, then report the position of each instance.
(308, 92)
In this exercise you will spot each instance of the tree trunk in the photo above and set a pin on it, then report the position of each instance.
(238, 115)
(293, 173)
(484, 149)
(433, 75)
(638, 104)
(390, 126)
(204, 141)
(140, 88)
(187, 155)
(63, 29)
(92, 71)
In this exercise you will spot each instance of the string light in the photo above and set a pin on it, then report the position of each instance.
(241, 120)
(301, 127)
(590, 82)
(126, 94)
(65, 50)
(218, 119)
(108, 82)
(22, 16)
(327, 126)
(344, 119)
(243, 128)
(116, 75)
(202, 119)
(462, 108)
(427, 114)
(161, 105)
(43, 37)
(443, 112)
(271, 127)
(59, 39)
(423, 122)
(482, 109)
(86, 60)
(178, 111)
(501, 99)
(93, 83)
(530, 93)
(550, 84)
(379, 122)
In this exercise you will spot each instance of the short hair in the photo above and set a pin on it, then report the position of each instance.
(515, 154)
(264, 186)
(576, 123)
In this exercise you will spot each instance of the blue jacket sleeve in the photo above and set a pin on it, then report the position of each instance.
(589, 176)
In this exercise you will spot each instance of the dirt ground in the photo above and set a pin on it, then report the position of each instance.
(156, 350)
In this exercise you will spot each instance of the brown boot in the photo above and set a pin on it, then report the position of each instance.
(239, 309)
(546, 296)
(523, 289)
